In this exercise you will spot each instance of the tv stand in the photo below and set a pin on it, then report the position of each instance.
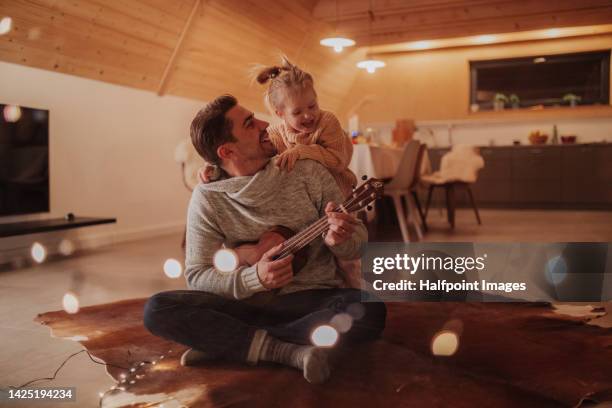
(54, 224)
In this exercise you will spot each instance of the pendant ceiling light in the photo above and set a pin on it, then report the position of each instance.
(337, 42)
(370, 64)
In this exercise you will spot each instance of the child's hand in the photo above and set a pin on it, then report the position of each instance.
(286, 160)
(206, 174)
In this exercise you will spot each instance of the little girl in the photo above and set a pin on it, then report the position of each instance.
(306, 132)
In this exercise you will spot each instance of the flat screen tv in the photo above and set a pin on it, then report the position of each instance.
(24, 160)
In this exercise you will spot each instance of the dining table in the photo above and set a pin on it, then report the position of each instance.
(376, 161)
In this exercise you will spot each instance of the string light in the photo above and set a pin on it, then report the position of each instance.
(324, 336)
(225, 260)
(342, 322)
(12, 113)
(38, 252)
(70, 303)
(66, 247)
(556, 270)
(173, 268)
(5, 25)
(445, 343)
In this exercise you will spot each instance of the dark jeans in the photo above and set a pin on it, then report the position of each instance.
(224, 328)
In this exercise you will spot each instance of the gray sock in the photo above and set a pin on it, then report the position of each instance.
(310, 359)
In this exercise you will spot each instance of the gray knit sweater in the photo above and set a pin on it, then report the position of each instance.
(238, 209)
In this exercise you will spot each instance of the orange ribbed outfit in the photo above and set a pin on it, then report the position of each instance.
(328, 144)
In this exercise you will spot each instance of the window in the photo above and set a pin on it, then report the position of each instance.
(541, 80)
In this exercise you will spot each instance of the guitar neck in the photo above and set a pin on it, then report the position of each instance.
(359, 199)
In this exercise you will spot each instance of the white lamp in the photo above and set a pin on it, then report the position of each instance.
(370, 65)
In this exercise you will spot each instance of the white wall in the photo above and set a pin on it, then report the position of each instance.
(111, 151)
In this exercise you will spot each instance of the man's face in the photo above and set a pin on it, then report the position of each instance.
(252, 141)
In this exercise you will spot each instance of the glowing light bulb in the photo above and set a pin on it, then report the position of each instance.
(337, 43)
(173, 268)
(370, 65)
(342, 322)
(421, 45)
(12, 113)
(70, 303)
(485, 39)
(66, 247)
(556, 270)
(5, 25)
(38, 252)
(324, 336)
(553, 32)
(225, 260)
(445, 343)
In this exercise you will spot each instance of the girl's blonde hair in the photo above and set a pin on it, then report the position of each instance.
(281, 79)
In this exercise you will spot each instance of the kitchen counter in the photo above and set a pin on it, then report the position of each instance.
(572, 176)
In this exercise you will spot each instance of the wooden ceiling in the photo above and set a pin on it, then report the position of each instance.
(140, 43)
(376, 22)
(202, 48)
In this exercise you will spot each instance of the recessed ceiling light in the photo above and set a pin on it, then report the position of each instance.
(485, 39)
(553, 32)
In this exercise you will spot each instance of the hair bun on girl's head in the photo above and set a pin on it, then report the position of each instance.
(268, 73)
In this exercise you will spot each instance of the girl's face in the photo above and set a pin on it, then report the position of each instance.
(300, 110)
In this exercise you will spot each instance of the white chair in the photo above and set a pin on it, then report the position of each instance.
(458, 168)
(402, 186)
(189, 159)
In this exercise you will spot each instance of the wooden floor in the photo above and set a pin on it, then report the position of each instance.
(135, 270)
(508, 226)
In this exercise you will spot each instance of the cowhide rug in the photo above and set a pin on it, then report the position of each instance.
(509, 355)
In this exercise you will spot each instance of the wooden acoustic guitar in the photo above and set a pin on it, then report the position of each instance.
(292, 243)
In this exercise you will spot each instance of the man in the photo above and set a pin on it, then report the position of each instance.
(264, 310)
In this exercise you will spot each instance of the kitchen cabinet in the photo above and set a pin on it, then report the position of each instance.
(546, 176)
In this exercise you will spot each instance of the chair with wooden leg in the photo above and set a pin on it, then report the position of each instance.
(400, 189)
(458, 170)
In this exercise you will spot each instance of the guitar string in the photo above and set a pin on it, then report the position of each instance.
(311, 231)
(317, 228)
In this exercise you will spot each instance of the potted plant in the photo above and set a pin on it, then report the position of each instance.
(499, 101)
(571, 99)
(514, 101)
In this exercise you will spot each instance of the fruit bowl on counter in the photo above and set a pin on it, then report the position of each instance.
(537, 138)
(568, 139)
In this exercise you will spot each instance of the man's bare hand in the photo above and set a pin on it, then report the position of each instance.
(341, 226)
(274, 274)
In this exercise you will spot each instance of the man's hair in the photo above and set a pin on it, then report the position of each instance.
(210, 128)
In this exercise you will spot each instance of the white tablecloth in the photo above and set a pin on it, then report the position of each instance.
(375, 161)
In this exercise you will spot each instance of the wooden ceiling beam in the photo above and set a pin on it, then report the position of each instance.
(179, 43)
(487, 26)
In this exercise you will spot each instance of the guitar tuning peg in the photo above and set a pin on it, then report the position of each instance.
(369, 208)
(364, 177)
